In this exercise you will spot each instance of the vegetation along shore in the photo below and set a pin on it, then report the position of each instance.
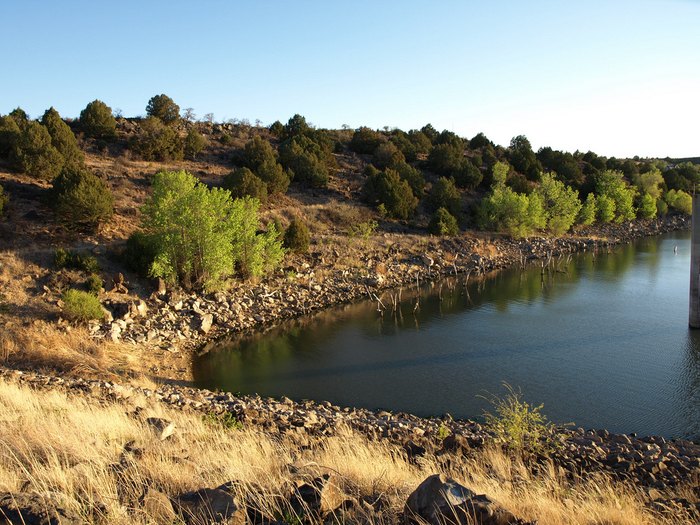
(129, 244)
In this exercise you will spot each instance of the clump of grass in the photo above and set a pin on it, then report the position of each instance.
(94, 284)
(81, 306)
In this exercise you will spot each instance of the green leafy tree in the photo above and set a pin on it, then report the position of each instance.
(9, 134)
(297, 236)
(443, 222)
(243, 182)
(612, 185)
(499, 173)
(522, 158)
(680, 200)
(156, 141)
(605, 208)
(193, 144)
(647, 207)
(82, 200)
(62, 138)
(444, 194)
(650, 183)
(517, 214)
(587, 215)
(164, 108)
(97, 121)
(561, 204)
(388, 189)
(35, 155)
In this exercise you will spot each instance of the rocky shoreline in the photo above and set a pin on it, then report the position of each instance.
(654, 463)
(179, 322)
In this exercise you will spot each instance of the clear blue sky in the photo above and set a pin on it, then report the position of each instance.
(617, 77)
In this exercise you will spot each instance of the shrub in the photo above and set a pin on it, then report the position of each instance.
(296, 236)
(4, 201)
(94, 284)
(444, 194)
(386, 188)
(647, 207)
(605, 208)
(445, 159)
(35, 155)
(139, 253)
(277, 129)
(81, 306)
(82, 200)
(164, 108)
(413, 176)
(366, 140)
(61, 258)
(587, 215)
(561, 204)
(257, 152)
(296, 126)
(443, 223)
(514, 213)
(661, 207)
(468, 175)
(9, 134)
(62, 138)
(386, 155)
(272, 174)
(243, 182)
(156, 141)
(97, 121)
(193, 144)
(363, 230)
(305, 158)
(680, 200)
(612, 185)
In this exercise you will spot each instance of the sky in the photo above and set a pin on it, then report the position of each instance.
(620, 78)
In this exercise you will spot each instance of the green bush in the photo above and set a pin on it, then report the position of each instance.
(413, 176)
(139, 253)
(9, 134)
(35, 155)
(4, 201)
(297, 236)
(97, 121)
(387, 155)
(305, 158)
(388, 189)
(272, 174)
(364, 229)
(647, 207)
(94, 284)
(296, 126)
(443, 223)
(81, 306)
(467, 175)
(517, 214)
(680, 200)
(243, 182)
(561, 204)
(587, 215)
(277, 129)
(62, 138)
(444, 194)
(257, 152)
(164, 108)
(82, 200)
(193, 144)
(661, 207)
(63, 258)
(605, 208)
(366, 140)
(156, 141)
(612, 185)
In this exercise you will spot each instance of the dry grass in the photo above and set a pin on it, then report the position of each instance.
(67, 446)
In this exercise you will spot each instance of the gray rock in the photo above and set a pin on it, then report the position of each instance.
(322, 496)
(205, 322)
(207, 506)
(34, 509)
(162, 427)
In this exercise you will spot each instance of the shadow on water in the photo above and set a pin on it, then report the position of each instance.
(600, 339)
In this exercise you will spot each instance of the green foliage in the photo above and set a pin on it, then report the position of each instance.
(612, 185)
(561, 204)
(35, 155)
(563, 164)
(366, 140)
(518, 426)
(296, 126)
(468, 175)
(386, 155)
(63, 258)
(443, 223)
(514, 213)
(420, 141)
(277, 129)
(306, 159)
(81, 306)
(193, 144)
(260, 157)
(445, 159)
(4, 201)
(443, 432)
(661, 207)
(97, 121)
(272, 174)
(164, 108)
(650, 183)
(62, 138)
(363, 230)
(499, 173)
(94, 284)
(297, 236)
(156, 141)
(243, 182)
(227, 420)
(479, 141)
(82, 200)
(587, 215)
(522, 158)
(9, 134)
(647, 207)
(680, 200)
(387, 188)
(605, 208)
(139, 253)
(201, 235)
(413, 176)
(444, 194)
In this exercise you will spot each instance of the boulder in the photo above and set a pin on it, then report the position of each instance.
(440, 500)
(205, 322)
(34, 509)
(205, 506)
(322, 496)
(161, 427)
(158, 507)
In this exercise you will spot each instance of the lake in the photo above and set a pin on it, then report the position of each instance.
(602, 342)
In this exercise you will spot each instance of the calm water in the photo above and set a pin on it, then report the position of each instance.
(604, 344)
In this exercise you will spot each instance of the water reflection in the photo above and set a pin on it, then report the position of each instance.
(601, 339)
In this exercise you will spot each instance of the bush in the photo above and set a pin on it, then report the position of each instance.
(561, 204)
(366, 140)
(517, 214)
(612, 185)
(94, 284)
(647, 207)
(587, 215)
(306, 160)
(661, 207)
(62, 138)
(605, 208)
(156, 141)
(97, 121)
(258, 152)
(243, 182)
(82, 200)
(386, 155)
(139, 253)
(468, 175)
(63, 258)
(680, 200)
(296, 126)
(35, 155)
(164, 108)
(444, 194)
(9, 134)
(413, 176)
(81, 306)
(272, 174)
(443, 223)
(4, 201)
(193, 144)
(277, 129)
(296, 236)
(387, 189)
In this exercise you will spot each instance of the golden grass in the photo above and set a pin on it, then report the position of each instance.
(67, 446)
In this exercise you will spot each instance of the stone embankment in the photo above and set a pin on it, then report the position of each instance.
(178, 321)
(655, 463)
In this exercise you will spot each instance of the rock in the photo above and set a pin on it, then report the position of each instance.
(162, 290)
(158, 507)
(107, 315)
(115, 332)
(205, 322)
(34, 509)
(321, 496)
(211, 506)
(439, 500)
(162, 427)
(142, 308)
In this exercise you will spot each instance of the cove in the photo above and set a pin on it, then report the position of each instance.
(602, 342)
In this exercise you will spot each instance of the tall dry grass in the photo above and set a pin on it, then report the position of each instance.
(66, 448)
